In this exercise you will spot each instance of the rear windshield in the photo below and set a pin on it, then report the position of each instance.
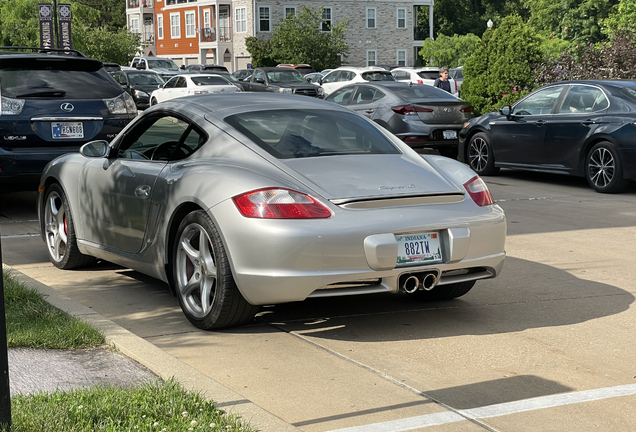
(56, 78)
(378, 76)
(287, 134)
(422, 91)
(210, 80)
(428, 74)
(305, 69)
(215, 68)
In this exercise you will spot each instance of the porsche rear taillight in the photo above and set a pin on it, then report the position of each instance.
(410, 109)
(278, 203)
(478, 191)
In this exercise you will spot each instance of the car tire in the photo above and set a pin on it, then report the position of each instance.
(604, 169)
(480, 156)
(444, 292)
(59, 231)
(203, 279)
(153, 102)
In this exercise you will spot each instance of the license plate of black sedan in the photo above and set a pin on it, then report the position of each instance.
(66, 130)
(418, 248)
(450, 134)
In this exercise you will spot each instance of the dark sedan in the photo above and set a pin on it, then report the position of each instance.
(139, 84)
(580, 128)
(422, 116)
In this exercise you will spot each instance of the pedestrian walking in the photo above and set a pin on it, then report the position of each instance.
(442, 82)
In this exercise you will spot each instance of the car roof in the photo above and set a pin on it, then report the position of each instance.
(21, 51)
(273, 69)
(360, 69)
(137, 71)
(608, 82)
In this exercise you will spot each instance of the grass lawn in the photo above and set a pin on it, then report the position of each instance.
(156, 407)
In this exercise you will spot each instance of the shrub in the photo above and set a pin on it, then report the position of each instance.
(449, 51)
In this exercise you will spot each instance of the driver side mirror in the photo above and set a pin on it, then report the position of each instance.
(95, 149)
(260, 80)
(506, 110)
(182, 67)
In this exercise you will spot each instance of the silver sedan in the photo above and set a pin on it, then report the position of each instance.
(244, 200)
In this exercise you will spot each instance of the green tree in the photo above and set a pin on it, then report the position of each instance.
(500, 70)
(449, 51)
(20, 27)
(578, 21)
(298, 39)
(260, 51)
(622, 18)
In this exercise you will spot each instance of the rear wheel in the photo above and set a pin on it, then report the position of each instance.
(480, 156)
(604, 169)
(153, 101)
(203, 279)
(444, 292)
(59, 231)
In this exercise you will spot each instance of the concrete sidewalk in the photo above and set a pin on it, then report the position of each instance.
(35, 370)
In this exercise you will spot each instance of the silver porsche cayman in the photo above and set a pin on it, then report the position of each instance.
(250, 199)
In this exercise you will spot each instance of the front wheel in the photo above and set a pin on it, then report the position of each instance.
(604, 169)
(203, 279)
(59, 231)
(153, 101)
(444, 292)
(480, 155)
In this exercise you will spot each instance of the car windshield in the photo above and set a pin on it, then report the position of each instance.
(285, 76)
(228, 76)
(162, 64)
(210, 80)
(145, 79)
(421, 91)
(378, 76)
(289, 134)
(71, 79)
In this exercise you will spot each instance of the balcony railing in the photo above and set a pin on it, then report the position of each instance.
(208, 35)
(225, 34)
(147, 3)
(133, 4)
(420, 35)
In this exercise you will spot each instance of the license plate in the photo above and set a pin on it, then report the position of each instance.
(66, 130)
(418, 248)
(450, 134)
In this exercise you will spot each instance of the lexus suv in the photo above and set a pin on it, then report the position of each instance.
(52, 103)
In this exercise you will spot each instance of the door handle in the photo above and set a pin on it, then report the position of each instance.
(588, 122)
(142, 192)
(540, 122)
(369, 111)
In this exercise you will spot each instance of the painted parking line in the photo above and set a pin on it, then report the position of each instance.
(20, 236)
(497, 410)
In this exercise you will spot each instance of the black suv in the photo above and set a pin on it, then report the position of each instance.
(52, 103)
(281, 80)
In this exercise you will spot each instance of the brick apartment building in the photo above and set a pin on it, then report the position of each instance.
(214, 31)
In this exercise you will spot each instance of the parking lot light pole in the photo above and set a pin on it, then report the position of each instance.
(5, 392)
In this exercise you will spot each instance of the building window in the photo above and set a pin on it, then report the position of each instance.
(371, 12)
(175, 26)
(189, 24)
(263, 19)
(134, 25)
(160, 26)
(371, 57)
(241, 20)
(401, 57)
(290, 11)
(206, 19)
(326, 19)
(401, 18)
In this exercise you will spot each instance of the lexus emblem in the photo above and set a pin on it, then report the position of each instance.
(445, 109)
(68, 107)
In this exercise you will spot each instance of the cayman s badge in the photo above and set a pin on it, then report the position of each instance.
(68, 107)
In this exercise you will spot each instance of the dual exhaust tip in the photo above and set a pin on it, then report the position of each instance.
(410, 283)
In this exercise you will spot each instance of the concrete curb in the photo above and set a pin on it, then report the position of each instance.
(161, 363)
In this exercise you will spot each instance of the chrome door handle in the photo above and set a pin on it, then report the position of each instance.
(369, 111)
(540, 122)
(142, 192)
(588, 122)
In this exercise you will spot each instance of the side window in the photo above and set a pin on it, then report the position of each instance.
(401, 75)
(142, 64)
(181, 82)
(172, 83)
(332, 77)
(164, 138)
(259, 74)
(378, 95)
(539, 103)
(583, 99)
(342, 97)
(345, 76)
(135, 63)
(364, 95)
(120, 77)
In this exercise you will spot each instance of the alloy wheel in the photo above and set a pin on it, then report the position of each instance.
(55, 225)
(478, 154)
(196, 271)
(601, 167)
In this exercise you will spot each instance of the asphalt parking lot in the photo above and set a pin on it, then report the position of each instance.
(547, 346)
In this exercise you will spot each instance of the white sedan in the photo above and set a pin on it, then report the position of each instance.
(192, 84)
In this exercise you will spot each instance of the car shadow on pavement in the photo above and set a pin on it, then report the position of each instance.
(526, 295)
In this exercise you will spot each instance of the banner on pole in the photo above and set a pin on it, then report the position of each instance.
(66, 42)
(46, 25)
